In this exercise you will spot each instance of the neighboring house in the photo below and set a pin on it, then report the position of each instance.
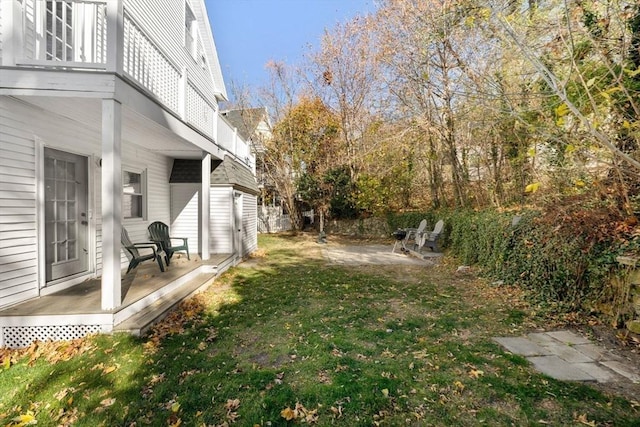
(253, 125)
(101, 104)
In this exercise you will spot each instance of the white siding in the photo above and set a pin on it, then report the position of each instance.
(157, 169)
(184, 213)
(21, 124)
(249, 224)
(18, 242)
(1, 29)
(221, 220)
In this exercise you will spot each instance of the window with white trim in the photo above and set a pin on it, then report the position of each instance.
(133, 195)
(190, 31)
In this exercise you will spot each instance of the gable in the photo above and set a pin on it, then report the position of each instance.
(209, 47)
(247, 120)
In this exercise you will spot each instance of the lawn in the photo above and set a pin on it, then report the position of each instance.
(287, 339)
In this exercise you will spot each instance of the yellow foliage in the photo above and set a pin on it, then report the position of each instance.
(532, 188)
(562, 110)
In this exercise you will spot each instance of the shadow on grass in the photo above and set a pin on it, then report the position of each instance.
(333, 345)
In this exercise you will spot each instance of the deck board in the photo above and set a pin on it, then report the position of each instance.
(85, 298)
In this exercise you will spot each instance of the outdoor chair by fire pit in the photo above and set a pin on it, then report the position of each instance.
(430, 239)
(405, 235)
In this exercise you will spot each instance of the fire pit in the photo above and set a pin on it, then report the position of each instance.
(400, 234)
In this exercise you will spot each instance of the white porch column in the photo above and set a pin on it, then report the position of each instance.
(205, 209)
(111, 203)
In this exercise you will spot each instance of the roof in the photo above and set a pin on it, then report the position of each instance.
(246, 120)
(209, 45)
(234, 173)
(224, 172)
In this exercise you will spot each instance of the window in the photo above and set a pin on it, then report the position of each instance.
(59, 30)
(133, 200)
(190, 31)
(73, 31)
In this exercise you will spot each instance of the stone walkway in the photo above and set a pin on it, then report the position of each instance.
(567, 356)
(374, 254)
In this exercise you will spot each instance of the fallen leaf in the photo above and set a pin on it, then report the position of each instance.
(476, 373)
(26, 419)
(232, 404)
(385, 392)
(108, 402)
(582, 419)
(175, 407)
(109, 369)
(288, 414)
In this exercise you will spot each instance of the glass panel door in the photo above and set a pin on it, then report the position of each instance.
(66, 222)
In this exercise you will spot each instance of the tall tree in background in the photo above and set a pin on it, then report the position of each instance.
(586, 71)
(419, 42)
(312, 132)
(280, 162)
(344, 74)
(474, 102)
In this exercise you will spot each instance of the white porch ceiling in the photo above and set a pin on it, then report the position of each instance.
(136, 129)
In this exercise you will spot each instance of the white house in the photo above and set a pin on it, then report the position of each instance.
(100, 102)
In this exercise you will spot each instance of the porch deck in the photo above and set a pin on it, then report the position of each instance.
(148, 294)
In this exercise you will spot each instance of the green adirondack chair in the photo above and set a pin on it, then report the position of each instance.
(134, 255)
(159, 233)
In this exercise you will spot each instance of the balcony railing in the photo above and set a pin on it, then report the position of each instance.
(81, 35)
(149, 66)
(229, 139)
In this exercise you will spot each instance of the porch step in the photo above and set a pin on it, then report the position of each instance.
(140, 323)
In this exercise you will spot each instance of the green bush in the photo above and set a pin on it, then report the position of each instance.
(556, 265)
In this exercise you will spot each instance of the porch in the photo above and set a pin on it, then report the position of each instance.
(147, 296)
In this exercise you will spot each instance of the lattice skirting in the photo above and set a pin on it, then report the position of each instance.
(23, 336)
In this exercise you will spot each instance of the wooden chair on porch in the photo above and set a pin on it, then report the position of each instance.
(134, 255)
(159, 233)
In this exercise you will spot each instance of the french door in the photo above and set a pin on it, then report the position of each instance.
(66, 221)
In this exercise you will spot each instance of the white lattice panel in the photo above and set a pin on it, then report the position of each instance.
(147, 65)
(199, 112)
(23, 336)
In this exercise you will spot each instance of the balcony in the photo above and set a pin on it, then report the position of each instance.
(95, 38)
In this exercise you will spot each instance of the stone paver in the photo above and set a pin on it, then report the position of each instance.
(523, 347)
(565, 355)
(631, 372)
(568, 353)
(373, 254)
(559, 368)
(601, 374)
(568, 337)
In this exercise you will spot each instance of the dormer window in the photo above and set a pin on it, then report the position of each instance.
(190, 31)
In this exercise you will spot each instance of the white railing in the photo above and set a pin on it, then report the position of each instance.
(229, 139)
(226, 135)
(72, 34)
(199, 112)
(145, 63)
(64, 33)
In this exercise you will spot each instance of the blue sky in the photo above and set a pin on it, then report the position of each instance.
(249, 33)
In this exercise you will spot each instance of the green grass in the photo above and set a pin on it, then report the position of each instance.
(351, 346)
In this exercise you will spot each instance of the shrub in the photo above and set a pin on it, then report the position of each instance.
(558, 265)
